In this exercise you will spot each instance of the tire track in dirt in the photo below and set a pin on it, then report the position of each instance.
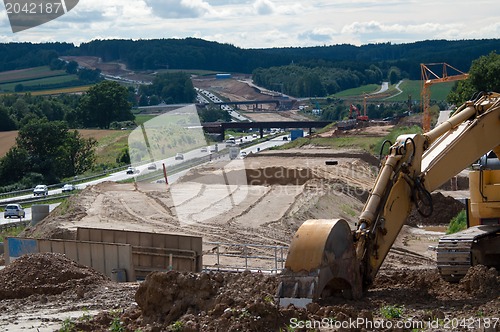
(194, 229)
(233, 220)
(209, 208)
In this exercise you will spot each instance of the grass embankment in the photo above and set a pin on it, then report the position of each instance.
(370, 144)
(110, 146)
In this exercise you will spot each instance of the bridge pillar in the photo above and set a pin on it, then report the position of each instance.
(261, 131)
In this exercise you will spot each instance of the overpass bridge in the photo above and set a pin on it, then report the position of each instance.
(282, 104)
(221, 127)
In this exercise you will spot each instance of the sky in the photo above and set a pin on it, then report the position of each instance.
(268, 23)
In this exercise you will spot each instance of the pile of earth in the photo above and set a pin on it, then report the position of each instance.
(45, 274)
(445, 208)
(174, 301)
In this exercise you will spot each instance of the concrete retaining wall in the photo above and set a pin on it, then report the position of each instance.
(38, 213)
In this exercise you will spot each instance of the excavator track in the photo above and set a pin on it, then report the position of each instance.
(455, 251)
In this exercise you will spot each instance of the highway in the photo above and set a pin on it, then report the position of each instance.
(143, 169)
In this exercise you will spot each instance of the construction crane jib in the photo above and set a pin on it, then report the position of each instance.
(429, 77)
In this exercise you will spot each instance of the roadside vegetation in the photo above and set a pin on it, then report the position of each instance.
(458, 223)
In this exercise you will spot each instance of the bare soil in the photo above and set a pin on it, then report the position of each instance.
(46, 292)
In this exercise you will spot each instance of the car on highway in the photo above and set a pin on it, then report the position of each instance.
(152, 166)
(131, 170)
(204, 149)
(243, 154)
(68, 188)
(179, 156)
(14, 210)
(41, 190)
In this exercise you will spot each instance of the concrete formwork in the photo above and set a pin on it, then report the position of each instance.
(152, 251)
(107, 258)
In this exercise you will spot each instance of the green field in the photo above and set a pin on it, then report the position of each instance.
(17, 76)
(359, 91)
(35, 78)
(40, 82)
(411, 88)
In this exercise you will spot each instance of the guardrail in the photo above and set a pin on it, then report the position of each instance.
(15, 224)
(182, 166)
(242, 257)
(33, 200)
(59, 185)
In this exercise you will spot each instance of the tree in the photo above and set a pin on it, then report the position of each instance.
(171, 88)
(104, 103)
(47, 148)
(72, 67)
(394, 75)
(484, 75)
(19, 88)
(78, 154)
(6, 122)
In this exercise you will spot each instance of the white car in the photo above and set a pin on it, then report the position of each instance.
(131, 170)
(68, 187)
(41, 190)
(152, 166)
(179, 156)
(14, 210)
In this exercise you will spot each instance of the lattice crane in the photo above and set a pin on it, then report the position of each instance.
(429, 78)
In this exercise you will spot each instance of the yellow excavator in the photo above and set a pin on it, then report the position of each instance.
(328, 258)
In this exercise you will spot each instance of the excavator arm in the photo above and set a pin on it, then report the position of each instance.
(416, 165)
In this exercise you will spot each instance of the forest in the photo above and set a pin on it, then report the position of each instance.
(192, 53)
(299, 71)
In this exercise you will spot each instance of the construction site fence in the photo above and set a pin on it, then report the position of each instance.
(230, 257)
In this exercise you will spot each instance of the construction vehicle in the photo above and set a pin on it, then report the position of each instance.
(354, 110)
(327, 257)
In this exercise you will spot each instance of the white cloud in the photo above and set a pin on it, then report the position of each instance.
(269, 23)
(264, 7)
(324, 35)
(179, 9)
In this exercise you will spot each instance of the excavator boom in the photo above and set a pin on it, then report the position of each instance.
(416, 165)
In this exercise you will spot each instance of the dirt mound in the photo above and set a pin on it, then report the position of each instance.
(480, 281)
(444, 209)
(45, 273)
(209, 301)
(174, 301)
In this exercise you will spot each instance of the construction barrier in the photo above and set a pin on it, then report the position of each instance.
(152, 251)
(103, 257)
